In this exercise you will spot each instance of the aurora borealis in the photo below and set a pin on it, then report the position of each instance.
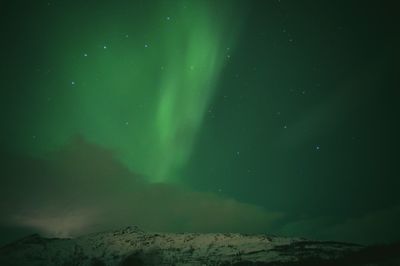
(157, 69)
(247, 116)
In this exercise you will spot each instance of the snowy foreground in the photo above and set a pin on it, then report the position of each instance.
(131, 246)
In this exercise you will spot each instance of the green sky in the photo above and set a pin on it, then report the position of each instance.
(139, 81)
(250, 116)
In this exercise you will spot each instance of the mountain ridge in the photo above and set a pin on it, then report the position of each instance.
(131, 246)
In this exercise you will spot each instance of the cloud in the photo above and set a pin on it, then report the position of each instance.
(83, 188)
(379, 226)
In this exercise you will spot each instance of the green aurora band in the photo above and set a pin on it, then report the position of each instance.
(142, 92)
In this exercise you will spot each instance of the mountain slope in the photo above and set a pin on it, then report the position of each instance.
(131, 246)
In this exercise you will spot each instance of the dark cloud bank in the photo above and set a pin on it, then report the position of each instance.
(83, 188)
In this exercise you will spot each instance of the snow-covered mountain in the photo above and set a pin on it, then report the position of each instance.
(132, 246)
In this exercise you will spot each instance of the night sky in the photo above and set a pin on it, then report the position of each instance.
(276, 117)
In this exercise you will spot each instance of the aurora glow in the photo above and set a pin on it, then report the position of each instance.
(153, 76)
(194, 56)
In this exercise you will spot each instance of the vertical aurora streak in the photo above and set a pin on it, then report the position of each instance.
(194, 59)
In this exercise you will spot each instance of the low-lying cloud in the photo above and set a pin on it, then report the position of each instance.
(83, 188)
(380, 226)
